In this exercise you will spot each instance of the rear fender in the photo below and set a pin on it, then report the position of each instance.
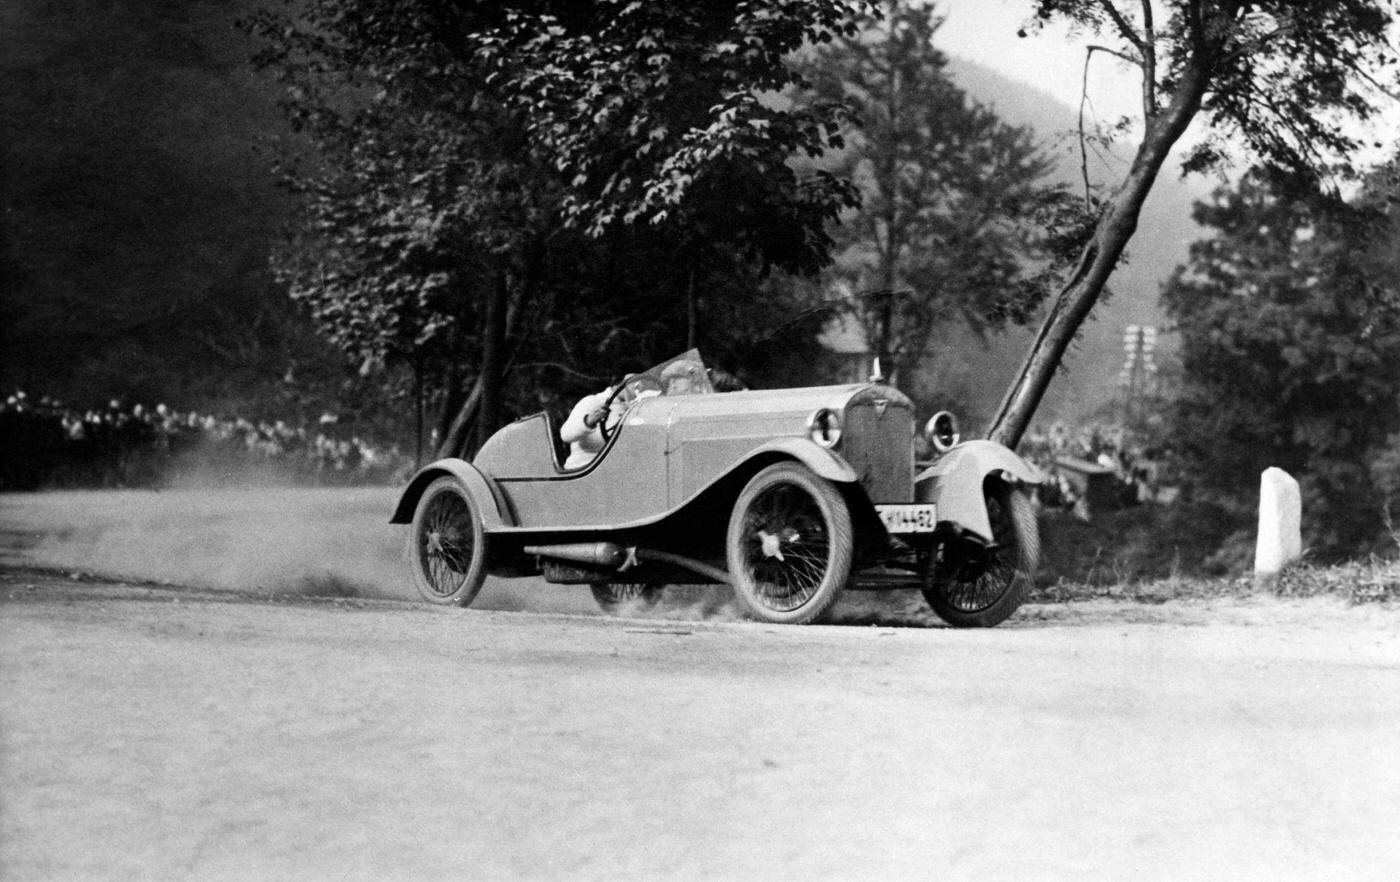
(494, 511)
(954, 483)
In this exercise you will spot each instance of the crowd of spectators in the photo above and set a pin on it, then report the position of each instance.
(44, 444)
(1137, 468)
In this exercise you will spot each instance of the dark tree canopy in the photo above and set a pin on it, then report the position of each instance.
(135, 219)
(496, 185)
(1290, 354)
(664, 114)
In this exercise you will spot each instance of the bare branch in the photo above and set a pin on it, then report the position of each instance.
(1084, 154)
(1251, 46)
(1135, 62)
(1365, 74)
(1146, 45)
(1124, 26)
(1083, 100)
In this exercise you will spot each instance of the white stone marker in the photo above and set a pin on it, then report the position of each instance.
(1280, 523)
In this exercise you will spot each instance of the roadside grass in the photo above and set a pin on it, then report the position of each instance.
(1146, 555)
(1372, 581)
(1358, 582)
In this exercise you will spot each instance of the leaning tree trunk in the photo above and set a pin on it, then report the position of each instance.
(1115, 227)
(479, 414)
(493, 359)
(454, 440)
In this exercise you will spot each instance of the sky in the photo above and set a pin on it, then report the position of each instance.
(1052, 60)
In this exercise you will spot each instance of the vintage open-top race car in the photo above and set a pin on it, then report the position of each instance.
(788, 495)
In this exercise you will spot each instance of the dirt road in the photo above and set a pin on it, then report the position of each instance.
(202, 733)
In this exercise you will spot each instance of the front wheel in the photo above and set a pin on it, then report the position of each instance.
(448, 544)
(789, 545)
(978, 587)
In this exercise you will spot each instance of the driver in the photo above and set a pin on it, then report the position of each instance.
(580, 431)
(682, 378)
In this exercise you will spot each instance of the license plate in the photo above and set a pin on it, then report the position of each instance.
(917, 517)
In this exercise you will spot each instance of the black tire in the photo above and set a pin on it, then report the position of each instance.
(615, 598)
(789, 545)
(448, 544)
(979, 588)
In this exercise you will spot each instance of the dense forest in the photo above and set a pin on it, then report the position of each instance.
(140, 213)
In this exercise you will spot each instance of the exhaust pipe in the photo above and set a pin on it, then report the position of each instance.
(613, 556)
(596, 554)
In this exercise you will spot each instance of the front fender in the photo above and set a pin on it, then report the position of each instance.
(815, 457)
(954, 483)
(494, 511)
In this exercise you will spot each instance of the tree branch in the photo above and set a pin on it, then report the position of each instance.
(1149, 62)
(1083, 99)
(1196, 28)
(1124, 26)
(562, 368)
(1135, 62)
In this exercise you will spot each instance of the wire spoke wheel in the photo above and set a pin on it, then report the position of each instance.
(447, 545)
(789, 545)
(974, 586)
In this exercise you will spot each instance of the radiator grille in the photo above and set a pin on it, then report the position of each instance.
(878, 442)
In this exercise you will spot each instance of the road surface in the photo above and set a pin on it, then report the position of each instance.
(212, 731)
(164, 734)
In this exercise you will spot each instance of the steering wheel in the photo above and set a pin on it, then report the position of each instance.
(626, 393)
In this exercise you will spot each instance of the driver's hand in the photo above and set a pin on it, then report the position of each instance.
(596, 417)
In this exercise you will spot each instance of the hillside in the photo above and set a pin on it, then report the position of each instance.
(1163, 238)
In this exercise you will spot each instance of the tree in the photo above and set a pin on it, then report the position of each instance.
(947, 231)
(134, 231)
(485, 177)
(662, 114)
(410, 222)
(1275, 77)
(1290, 357)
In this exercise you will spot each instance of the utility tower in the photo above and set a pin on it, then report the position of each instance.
(1139, 375)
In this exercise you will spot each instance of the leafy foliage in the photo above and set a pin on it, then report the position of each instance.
(665, 114)
(1278, 77)
(532, 192)
(954, 209)
(406, 169)
(1291, 358)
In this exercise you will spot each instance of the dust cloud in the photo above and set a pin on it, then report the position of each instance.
(309, 542)
(257, 537)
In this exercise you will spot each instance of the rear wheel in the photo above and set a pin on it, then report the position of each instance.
(615, 598)
(978, 587)
(789, 545)
(448, 544)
